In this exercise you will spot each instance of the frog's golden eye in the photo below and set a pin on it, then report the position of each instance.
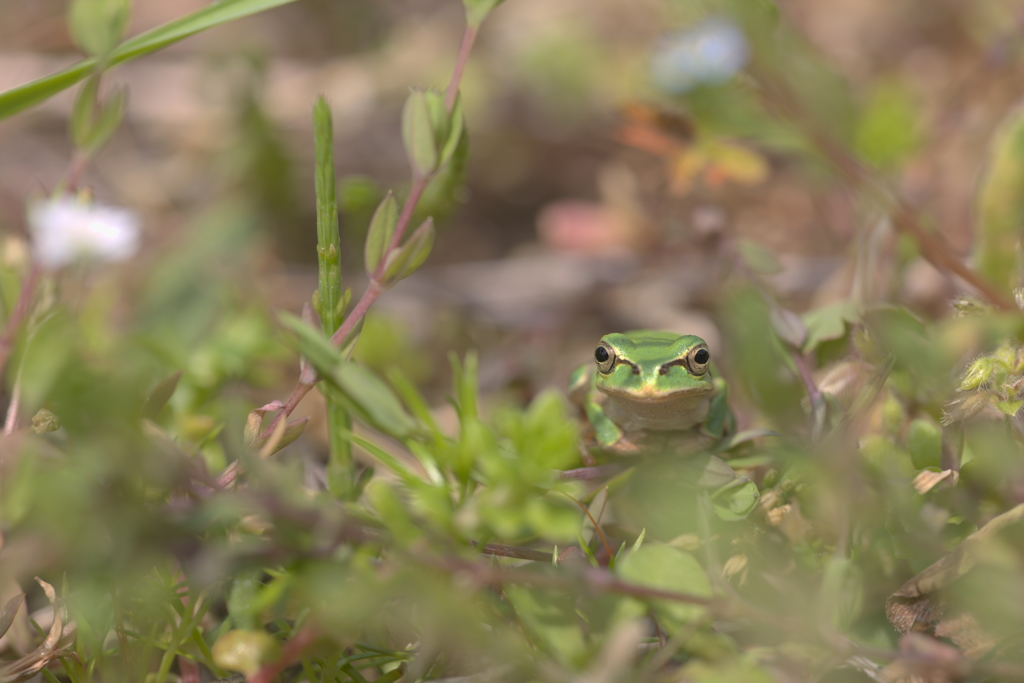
(605, 357)
(699, 360)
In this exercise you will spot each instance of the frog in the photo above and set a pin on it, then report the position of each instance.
(651, 389)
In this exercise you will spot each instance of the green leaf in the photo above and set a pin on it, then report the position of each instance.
(83, 111)
(551, 620)
(388, 460)
(1009, 408)
(160, 395)
(842, 592)
(1000, 216)
(328, 241)
(374, 398)
(477, 10)
(313, 345)
(97, 26)
(418, 134)
(404, 261)
(111, 114)
(888, 131)
(758, 259)
(455, 125)
(31, 94)
(382, 229)
(736, 500)
(660, 566)
(924, 441)
(828, 323)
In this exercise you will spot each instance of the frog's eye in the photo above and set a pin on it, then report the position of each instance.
(605, 358)
(698, 361)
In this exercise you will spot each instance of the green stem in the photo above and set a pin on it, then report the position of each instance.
(329, 296)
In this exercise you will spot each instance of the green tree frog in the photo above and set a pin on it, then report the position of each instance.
(651, 390)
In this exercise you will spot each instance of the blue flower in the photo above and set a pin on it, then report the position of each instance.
(707, 53)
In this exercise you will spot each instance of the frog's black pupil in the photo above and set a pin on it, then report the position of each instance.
(601, 354)
(702, 356)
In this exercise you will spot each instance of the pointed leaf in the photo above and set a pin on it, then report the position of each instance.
(374, 399)
(456, 125)
(404, 261)
(160, 395)
(284, 435)
(83, 111)
(382, 228)
(418, 134)
(1000, 212)
(111, 113)
(31, 94)
(9, 611)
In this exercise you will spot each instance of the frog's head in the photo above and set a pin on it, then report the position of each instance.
(652, 366)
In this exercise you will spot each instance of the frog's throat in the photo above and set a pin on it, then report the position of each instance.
(682, 411)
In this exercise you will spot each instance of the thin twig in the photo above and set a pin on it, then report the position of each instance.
(468, 38)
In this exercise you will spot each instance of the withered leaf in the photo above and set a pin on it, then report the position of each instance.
(920, 604)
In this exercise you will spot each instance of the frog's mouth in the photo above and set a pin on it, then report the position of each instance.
(651, 396)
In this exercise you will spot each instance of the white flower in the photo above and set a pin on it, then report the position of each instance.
(65, 230)
(710, 52)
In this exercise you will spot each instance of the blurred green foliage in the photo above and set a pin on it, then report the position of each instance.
(882, 455)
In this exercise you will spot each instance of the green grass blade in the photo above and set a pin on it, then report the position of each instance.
(31, 94)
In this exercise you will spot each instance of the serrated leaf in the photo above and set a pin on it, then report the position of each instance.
(160, 395)
(380, 232)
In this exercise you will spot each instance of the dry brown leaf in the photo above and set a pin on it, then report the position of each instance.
(56, 644)
(920, 604)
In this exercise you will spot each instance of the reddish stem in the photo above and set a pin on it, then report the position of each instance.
(374, 289)
(468, 38)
